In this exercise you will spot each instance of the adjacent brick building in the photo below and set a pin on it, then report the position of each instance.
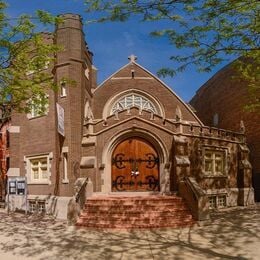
(221, 102)
(5, 123)
(131, 133)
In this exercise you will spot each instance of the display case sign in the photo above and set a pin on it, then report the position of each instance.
(12, 187)
(20, 187)
(17, 186)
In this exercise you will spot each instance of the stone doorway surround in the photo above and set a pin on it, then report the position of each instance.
(157, 143)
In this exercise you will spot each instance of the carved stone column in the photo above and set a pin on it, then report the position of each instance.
(181, 160)
(244, 178)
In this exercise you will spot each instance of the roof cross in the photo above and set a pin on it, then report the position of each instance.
(132, 58)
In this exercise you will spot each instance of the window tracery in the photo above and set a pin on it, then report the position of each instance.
(133, 100)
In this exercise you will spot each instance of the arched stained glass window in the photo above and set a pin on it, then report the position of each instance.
(133, 100)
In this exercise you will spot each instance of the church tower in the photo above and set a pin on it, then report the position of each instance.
(73, 73)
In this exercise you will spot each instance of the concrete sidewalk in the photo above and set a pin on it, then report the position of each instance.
(231, 234)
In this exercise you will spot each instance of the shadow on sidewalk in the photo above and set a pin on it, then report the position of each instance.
(231, 234)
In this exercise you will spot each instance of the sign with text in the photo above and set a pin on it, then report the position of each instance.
(60, 116)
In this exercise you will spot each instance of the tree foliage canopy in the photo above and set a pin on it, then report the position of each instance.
(207, 31)
(25, 55)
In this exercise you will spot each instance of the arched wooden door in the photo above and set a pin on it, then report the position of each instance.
(135, 166)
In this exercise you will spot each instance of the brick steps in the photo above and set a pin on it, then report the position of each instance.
(143, 217)
(135, 208)
(133, 212)
(128, 212)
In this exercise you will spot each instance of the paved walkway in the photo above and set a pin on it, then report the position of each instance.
(232, 234)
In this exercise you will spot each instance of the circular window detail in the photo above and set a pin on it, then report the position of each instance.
(133, 100)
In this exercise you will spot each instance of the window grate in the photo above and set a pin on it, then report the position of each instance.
(37, 207)
(216, 202)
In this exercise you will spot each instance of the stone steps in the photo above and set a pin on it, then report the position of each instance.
(130, 212)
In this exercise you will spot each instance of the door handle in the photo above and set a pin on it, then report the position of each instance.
(134, 171)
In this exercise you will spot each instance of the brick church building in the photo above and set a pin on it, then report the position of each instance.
(131, 133)
(221, 102)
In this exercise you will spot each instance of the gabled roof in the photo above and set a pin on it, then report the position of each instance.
(132, 62)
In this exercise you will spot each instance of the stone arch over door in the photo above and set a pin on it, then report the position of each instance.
(155, 141)
(135, 166)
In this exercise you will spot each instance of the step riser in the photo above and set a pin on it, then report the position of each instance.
(134, 208)
(177, 225)
(134, 214)
(137, 223)
(139, 202)
(152, 218)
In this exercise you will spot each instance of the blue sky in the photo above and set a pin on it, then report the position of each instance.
(112, 43)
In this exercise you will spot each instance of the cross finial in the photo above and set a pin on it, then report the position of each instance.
(132, 58)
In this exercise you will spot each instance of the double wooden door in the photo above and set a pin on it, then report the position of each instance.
(135, 166)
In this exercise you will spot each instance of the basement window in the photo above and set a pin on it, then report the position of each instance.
(217, 202)
(37, 206)
(222, 202)
(213, 202)
(32, 206)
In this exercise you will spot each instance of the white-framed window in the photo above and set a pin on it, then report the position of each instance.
(38, 107)
(38, 169)
(214, 162)
(133, 100)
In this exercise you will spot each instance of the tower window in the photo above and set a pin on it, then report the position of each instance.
(38, 106)
(132, 73)
(215, 119)
(63, 92)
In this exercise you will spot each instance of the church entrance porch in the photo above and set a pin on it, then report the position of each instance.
(135, 166)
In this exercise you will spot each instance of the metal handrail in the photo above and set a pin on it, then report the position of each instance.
(77, 195)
